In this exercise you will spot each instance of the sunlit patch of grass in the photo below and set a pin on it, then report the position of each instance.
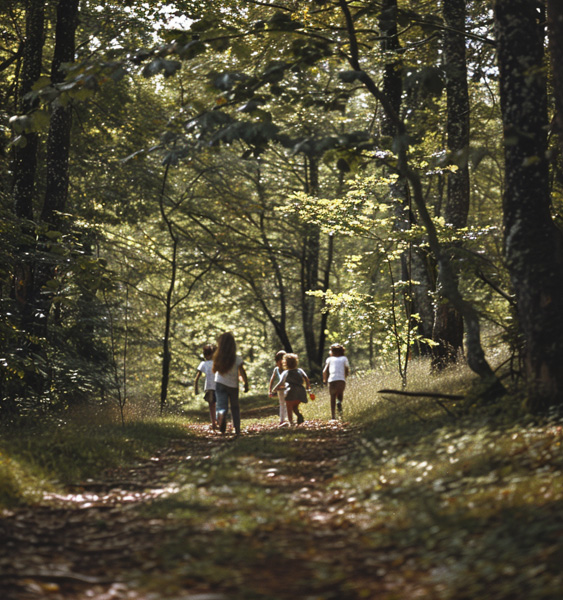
(42, 457)
(478, 493)
(18, 482)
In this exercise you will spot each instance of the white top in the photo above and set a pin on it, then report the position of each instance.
(337, 368)
(230, 378)
(206, 367)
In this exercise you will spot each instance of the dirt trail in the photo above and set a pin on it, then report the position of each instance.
(261, 516)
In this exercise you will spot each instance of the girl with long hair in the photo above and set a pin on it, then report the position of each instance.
(228, 367)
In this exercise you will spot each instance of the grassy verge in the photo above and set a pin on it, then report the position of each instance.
(44, 457)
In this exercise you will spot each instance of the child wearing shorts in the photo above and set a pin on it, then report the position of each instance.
(205, 367)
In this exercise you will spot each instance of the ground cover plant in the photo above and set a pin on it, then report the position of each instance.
(398, 499)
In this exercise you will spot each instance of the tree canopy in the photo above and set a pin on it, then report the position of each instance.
(386, 174)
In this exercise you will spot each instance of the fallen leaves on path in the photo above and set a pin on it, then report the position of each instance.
(165, 527)
(316, 512)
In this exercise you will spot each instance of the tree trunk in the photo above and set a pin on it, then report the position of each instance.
(555, 31)
(25, 161)
(448, 324)
(392, 70)
(310, 274)
(58, 142)
(533, 245)
(414, 266)
(57, 160)
(326, 286)
(25, 156)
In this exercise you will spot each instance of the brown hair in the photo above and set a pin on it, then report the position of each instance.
(226, 353)
(337, 350)
(280, 355)
(290, 361)
(208, 351)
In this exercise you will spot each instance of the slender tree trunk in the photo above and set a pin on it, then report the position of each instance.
(310, 275)
(326, 286)
(533, 245)
(448, 324)
(414, 266)
(392, 70)
(25, 161)
(166, 354)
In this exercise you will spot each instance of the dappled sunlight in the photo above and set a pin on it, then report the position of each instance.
(381, 503)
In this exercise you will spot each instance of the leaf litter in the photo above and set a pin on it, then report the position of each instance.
(322, 511)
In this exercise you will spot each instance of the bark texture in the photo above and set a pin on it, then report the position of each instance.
(310, 254)
(25, 159)
(533, 244)
(555, 31)
(58, 142)
(448, 324)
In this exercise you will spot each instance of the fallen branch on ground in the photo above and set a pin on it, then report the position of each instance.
(425, 394)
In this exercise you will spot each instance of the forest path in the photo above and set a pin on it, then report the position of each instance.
(264, 515)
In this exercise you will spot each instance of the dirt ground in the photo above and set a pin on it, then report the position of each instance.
(211, 518)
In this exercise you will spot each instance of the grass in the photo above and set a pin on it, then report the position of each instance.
(466, 502)
(37, 457)
(40, 456)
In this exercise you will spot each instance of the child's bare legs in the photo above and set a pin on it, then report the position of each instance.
(289, 406)
(293, 409)
(210, 397)
(336, 389)
(333, 406)
(213, 414)
(283, 406)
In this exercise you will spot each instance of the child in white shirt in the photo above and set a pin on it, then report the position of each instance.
(205, 367)
(336, 369)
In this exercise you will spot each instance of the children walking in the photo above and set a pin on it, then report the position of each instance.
(206, 367)
(228, 366)
(335, 372)
(295, 383)
(274, 380)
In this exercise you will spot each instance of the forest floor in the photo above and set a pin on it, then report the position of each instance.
(283, 513)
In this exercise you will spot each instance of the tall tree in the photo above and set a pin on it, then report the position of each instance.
(533, 244)
(448, 325)
(475, 354)
(25, 158)
(555, 30)
(415, 266)
(58, 141)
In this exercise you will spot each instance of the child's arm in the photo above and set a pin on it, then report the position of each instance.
(280, 382)
(325, 373)
(195, 382)
(270, 390)
(244, 377)
(305, 379)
